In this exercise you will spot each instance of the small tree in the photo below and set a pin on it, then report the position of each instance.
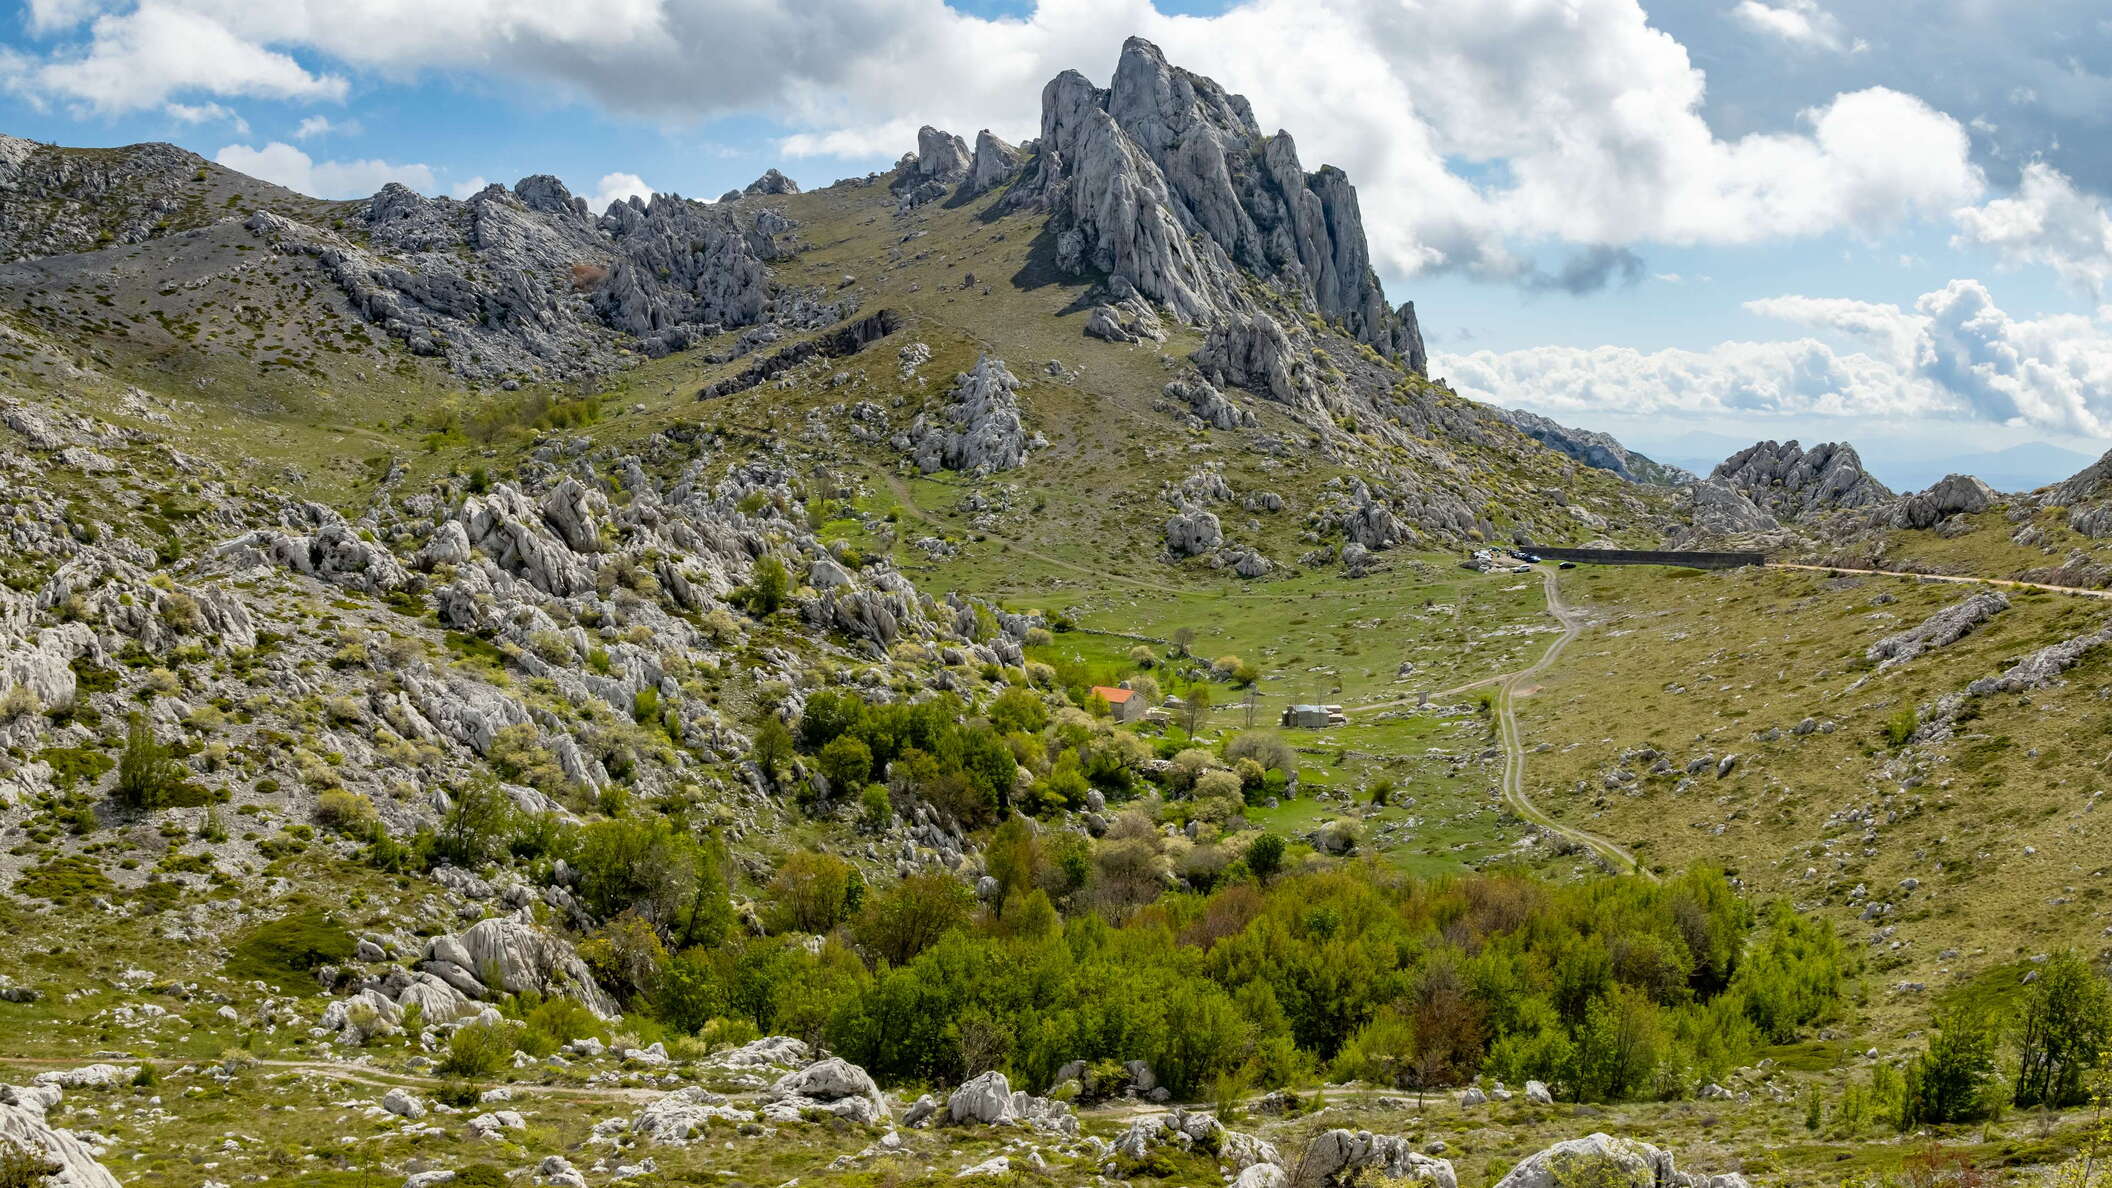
(911, 916)
(1955, 1080)
(1265, 856)
(1197, 709)
(2060, 1032)
(147, 773)
(811, 893)
(773, 582)
(478, 825)
(1182, 638)
(773, 746)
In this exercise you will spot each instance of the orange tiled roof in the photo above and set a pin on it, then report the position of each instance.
(1114, 696)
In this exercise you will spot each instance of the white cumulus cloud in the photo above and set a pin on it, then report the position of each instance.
(2047, 221)
(160, 49)
(288, 166)
(1955, 354)
(1799, 22)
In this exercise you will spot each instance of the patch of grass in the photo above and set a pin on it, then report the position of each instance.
(64, 877)
(286, 952)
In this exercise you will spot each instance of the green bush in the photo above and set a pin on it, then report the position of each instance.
(148, 775)
(479, 1051)
(1901, 726)
(1265, 856)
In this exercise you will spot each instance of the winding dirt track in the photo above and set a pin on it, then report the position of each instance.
(2011, 583)
(1509, 688)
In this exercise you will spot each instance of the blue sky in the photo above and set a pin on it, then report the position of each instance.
(1810, 218)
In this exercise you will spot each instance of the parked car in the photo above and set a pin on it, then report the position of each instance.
(1567, 565)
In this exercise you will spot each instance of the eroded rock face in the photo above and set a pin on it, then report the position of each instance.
(1721, 509)
(990, 1100)
(1337, 1158)
(986, 1099)
(22, 1124)
(1130, 320)
(2043, 667)
(515, 281)
(1251, 351)
(1207, 404)
(940, 163)
(1193, 531)
(1939, 630)
(55, 200)
(995, 163)
(1165, 180)
(519, 957)
(1956, 494)
(771, 182)
(834, 1085)
(1597, 450)
(982, 430)
(2087, 483)
(1792, 482)
(1186, 1130)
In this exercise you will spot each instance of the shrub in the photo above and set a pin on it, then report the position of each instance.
(1018, 709)
(626, 956)
(1901, 726)
(689, 995)
(346, 811)
(846, 762)
(772, 584)
(479, 1051)
(18, 702)
(477, 826)
(148, 775)
(878, 806)
(1265, 856)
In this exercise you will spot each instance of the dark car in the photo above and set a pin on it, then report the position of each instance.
(1567, 565)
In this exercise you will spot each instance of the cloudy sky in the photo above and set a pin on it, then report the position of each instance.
(1689, 223)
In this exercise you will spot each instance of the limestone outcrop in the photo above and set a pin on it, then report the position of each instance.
(1165, 180)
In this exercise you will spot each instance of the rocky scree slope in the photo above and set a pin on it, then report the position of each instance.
(292, 654)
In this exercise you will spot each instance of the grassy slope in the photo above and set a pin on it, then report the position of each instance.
(1997, 825)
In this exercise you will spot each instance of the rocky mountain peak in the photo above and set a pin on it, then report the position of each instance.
(771, 182)
(1165, 181)
(2087, 483)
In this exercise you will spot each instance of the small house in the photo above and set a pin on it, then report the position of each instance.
(1306, 717)
(1315, 717)
(1124, 704)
